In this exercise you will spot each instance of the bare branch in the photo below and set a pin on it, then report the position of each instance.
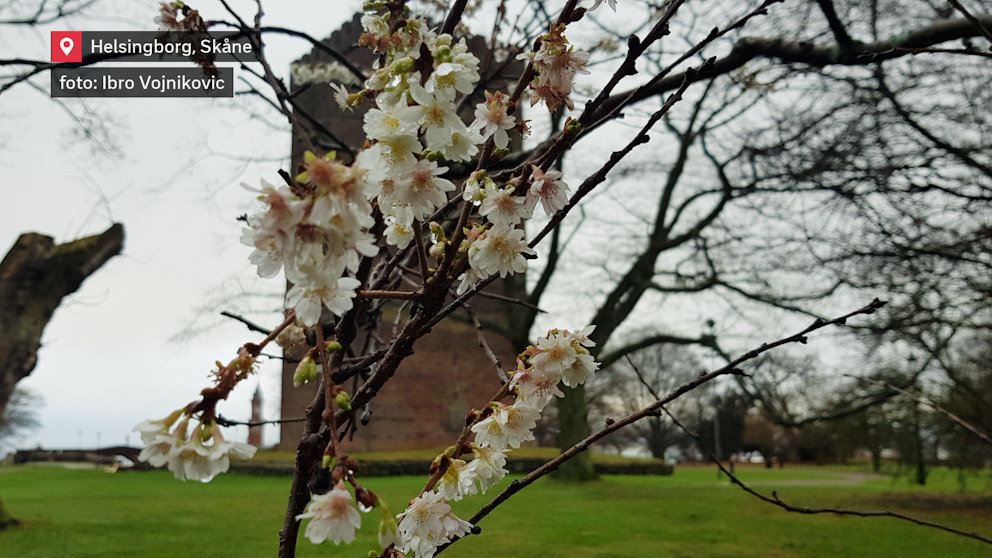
(249, 324)
(775, 501)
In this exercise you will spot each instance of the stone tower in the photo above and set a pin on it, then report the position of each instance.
(255, 432)
(424, 404)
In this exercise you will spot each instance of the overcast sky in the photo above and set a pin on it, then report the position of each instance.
(108, 360)
(110, 355)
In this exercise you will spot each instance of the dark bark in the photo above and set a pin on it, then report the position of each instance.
(35, 275)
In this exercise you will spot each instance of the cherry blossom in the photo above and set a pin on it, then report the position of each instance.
(492, 118)
(428, 523)
(508, 426)
(500, 250)
(487, 467)
(332, 517)
(547, 187)
(501, 207)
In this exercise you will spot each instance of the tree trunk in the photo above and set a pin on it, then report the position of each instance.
(573, 423)
(35, 275)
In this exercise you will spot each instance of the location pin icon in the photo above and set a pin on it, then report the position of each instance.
(66, 44)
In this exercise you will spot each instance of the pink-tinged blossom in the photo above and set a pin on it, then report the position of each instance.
(508, 426)
(284, 209)
(500, 251)
(423, 189)
(547, 187)
(501, 207)
(332, 517)
(537, 385)
(582, 336)
(557, 354)
(555, 64)
(492, 118)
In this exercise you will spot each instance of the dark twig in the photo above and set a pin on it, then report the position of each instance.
(981, 435)
(974, 20)
(641, 378)
(251, 325)
(653, 409)
(227, 422)
(775, 501)
(503, 378)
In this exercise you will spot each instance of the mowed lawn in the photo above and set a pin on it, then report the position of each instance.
(76, 513)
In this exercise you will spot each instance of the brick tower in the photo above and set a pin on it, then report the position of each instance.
(424, 404)
(255, 432)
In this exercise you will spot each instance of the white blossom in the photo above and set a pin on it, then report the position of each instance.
(547, 187)
(492, 118)
(487, 467)
(427, 524)
(501, 207)
(332, 517)
(457, 481)
(500, 250)
(307, 300)
(557, 353)
(508, 426)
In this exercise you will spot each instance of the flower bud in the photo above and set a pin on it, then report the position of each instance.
(332, 346)
(356, 99)
(327, 462)
(291, 338)
(343, 400)
(437, 231)
(572, 126)
(500, 153)
(402, 66)
(437, 250)
(387, 527)
(366, 498)
(306, 371)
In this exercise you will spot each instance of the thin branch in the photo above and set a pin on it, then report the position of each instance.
(974, 20)
(252, 326)
(981, 435)
(227, 422)
(653, 409)
(454, 16)
(836, 26)
(397, 295)
(775, 501)
(503, 378)
(643, 381)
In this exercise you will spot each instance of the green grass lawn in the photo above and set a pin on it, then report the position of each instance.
(76, 513)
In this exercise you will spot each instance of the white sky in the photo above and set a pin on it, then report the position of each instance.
(107, 362)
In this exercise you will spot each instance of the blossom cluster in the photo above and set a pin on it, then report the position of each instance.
(316, 232)
(560, 357)
(198, 453)
(555, 64)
